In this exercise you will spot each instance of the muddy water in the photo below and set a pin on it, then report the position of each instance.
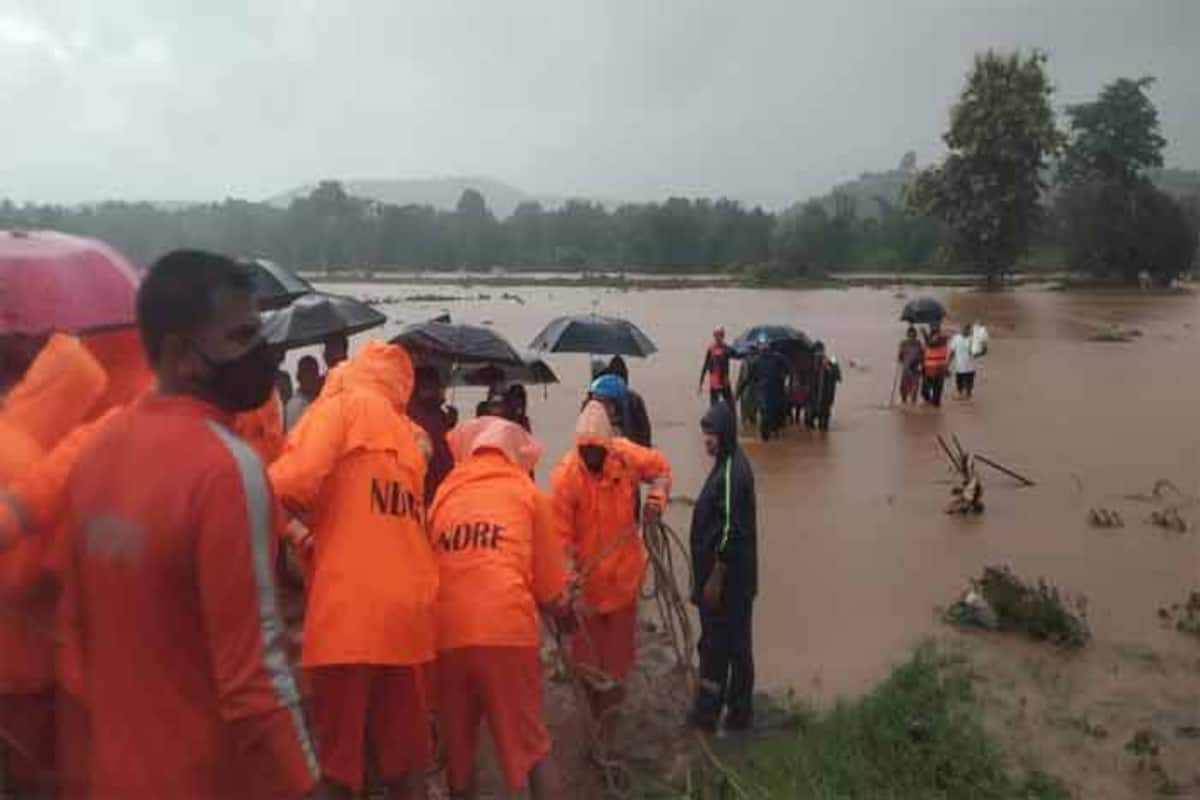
(855, 550)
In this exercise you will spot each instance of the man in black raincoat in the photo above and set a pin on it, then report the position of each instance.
(767, 378)
(725, 566)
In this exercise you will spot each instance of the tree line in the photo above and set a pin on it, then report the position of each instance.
(1013, 176)
(1013, 183)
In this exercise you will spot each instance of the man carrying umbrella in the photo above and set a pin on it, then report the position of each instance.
(635, 417)
(767, 378)
(936, 360)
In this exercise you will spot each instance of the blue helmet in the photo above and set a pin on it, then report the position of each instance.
(610, 387)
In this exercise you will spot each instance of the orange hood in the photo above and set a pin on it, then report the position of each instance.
(380, 368)
(361, 408)
(593, 426)
(494, 433)
(57, 392)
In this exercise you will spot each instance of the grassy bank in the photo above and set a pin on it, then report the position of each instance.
(918, 735)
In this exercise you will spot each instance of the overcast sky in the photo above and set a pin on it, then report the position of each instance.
(625, 99)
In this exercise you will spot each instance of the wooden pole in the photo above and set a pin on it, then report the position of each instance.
(958, 465)
(1005, 470)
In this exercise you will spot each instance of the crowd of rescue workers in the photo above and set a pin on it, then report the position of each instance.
(160, 545)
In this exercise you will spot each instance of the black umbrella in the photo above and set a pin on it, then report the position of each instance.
(275, 286)
(923, 311)
(532, 371)
(593, 334)
(443, 341)
(311, 318)
(779, 337)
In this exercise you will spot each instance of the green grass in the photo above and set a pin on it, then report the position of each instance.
(918, 735)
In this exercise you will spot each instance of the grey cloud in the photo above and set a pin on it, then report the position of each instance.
(763, 101)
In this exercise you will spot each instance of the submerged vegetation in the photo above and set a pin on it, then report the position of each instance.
(1001, 600)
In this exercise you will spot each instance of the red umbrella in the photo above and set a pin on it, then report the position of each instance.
(53, 281)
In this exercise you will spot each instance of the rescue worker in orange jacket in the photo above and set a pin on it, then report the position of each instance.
(354, 468)
(35, 503)
(168, 588)
(493, 535)
(593, 490)
(936, 360)
(56, 392)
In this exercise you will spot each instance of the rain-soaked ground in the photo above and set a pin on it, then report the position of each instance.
(855, 551)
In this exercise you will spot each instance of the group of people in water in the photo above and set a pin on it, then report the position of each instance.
(924, 363)
(153, 542)
(778, 383)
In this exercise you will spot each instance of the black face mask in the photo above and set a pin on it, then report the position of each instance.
(245, 382)
(593, 457)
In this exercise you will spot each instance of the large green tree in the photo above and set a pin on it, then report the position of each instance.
(1115, 137)
(1115, 222)
(988, 188)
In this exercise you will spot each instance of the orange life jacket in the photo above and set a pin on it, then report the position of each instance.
(937, 355)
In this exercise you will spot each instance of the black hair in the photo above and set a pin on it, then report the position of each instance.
(306, 361)
(617, 367)
(176, 296)
(428, 375)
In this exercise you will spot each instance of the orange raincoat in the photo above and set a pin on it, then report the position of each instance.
(168, 593)
(493, 534)
(595, 514)
(353, 465)
(121, 354)
(58, 391)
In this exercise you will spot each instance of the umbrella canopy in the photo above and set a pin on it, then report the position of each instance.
(53, 281)
(532, 371)
(593, 334)
(779, 337)
(311, 318)
(274, 285)
(923, 311)
(443, 341)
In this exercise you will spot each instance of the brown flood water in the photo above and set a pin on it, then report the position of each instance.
(854, 548)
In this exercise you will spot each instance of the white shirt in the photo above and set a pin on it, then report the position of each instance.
(294, 410)
(961, 359)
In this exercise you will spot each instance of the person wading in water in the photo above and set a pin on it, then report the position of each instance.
(716, 366)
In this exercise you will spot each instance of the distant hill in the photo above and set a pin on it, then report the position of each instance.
(441, 193)
(863, 191)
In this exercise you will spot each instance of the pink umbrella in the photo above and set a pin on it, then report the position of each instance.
(53, 281)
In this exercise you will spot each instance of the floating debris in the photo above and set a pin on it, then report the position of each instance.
(1169, 519)
(1183, 617)
(1115, 333)
(968, 491)
(1105, 518)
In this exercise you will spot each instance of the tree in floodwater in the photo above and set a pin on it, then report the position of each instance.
(1115, 222)
(1115, 137)
(988, 190)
